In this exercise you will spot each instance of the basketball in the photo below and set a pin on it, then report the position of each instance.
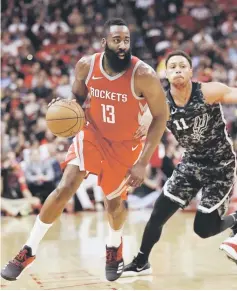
(65, 118)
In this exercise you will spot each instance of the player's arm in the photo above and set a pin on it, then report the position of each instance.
(151, 89)
(79, 88)
(216, 92)
(148, 85)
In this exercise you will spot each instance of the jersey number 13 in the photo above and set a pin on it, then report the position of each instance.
(108, 113)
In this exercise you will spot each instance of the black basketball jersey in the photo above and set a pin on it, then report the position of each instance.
(200, 128)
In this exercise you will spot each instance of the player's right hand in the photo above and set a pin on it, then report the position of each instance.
(141, 131)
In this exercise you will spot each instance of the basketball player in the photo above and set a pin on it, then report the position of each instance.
(119, 88)
(208, 164)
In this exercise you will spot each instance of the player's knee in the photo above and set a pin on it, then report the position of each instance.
(206, 224)
(202, 231)
(113, 206)
(63, 191)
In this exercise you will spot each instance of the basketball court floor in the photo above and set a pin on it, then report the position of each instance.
(72, 255)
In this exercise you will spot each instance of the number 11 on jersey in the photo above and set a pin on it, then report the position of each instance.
(108, 113)
(180, 124)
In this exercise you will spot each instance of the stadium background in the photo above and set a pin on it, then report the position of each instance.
(41, 43)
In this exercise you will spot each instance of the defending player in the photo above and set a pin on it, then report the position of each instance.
(208, 164)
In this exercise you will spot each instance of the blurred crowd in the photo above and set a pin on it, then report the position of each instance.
(41, 42)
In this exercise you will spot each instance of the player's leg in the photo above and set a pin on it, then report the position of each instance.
(117, 214)
(210, 224)
(178, 192)
(51, 209)
(163, 209)
(210, 219)
(82, 154)
(113, 183)
(229, 246)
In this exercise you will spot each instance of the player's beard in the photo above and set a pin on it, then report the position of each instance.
(115, 63)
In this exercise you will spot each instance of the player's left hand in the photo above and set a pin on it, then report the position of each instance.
(141, 131)
(53, 101)
(59, 98)
(136, 175)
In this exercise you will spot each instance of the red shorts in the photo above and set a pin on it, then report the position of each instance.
(107, 159)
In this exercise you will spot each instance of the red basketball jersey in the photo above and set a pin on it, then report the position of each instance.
(112, 105)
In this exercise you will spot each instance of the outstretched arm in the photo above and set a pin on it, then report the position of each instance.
(216, 92)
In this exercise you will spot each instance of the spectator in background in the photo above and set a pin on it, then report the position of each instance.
(16, 199)
(10, 46)
(144, 4)
(58, 22)
(185, 21)
(172, 8)
(40, 23)
(41, 85)
(229, 27)
(31, 109)
(200, 12)
(39, 175)
(75, 18)
(202, 38)
(16, 27)
(60, 36)
(5, 79)
(64, 88)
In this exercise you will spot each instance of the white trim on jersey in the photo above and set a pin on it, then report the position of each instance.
(132, 81)
(91, 69)
(122, 187)
(209, 210)
(171, 196)
(110, 78)
(79, 152)
(228, 138)
(81, 139)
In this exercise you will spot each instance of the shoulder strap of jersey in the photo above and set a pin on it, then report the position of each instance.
(169, 99)
(197, 90)
(94, 60)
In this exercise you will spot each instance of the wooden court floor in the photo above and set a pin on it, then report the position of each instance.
(72, 255)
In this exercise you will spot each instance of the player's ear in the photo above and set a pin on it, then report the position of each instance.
(103, 42)
(191, 72)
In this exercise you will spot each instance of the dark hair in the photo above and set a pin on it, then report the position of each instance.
(113, 21)
(179, 53)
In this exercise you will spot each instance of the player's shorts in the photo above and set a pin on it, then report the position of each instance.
(107, 159)
(215, 182)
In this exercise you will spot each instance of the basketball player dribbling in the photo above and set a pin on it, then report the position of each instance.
(208, 164)
(119, 88)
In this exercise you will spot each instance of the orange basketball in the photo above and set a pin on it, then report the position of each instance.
(65, 118)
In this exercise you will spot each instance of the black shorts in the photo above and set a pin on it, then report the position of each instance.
(215, 183)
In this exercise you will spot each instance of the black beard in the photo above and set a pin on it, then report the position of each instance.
(115, 63)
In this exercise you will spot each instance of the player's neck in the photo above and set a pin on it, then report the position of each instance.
(181, 95)
(107, 68)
